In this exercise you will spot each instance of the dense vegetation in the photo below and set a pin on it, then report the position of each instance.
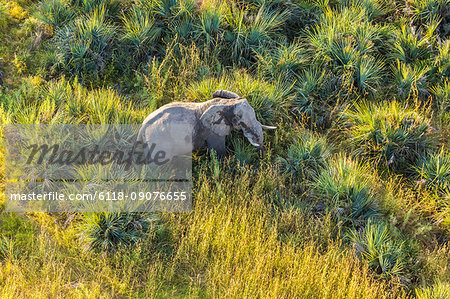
(352, 198)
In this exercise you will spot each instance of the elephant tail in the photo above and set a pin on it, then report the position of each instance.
(225, 94)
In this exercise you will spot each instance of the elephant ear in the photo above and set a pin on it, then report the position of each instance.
(217, 119)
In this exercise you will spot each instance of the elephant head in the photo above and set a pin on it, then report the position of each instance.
(236, 114)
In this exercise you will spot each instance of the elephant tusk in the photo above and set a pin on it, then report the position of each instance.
(255, 144)
(268, 127)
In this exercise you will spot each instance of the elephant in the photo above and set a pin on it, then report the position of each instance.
(182, 127)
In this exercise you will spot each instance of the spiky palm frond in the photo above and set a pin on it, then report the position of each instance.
(410, 46)
(247, 33)
(368, 75)
(442, 60)
(285, 62)
(442, 94)
(85, 45)
(107, 232)
(55, 13)
(435, 170)
(389, 133)
(140, 32)
(375, 245)
(211, 23)
(410, 80)
(428, 10)
(347, 190)
(306, 157)
(341, 37)
(372, 8)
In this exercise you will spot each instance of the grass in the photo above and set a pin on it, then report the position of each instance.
(350, 199)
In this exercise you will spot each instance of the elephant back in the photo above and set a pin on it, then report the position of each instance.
(225, 94)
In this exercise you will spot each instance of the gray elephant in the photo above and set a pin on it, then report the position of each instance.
(179, 128)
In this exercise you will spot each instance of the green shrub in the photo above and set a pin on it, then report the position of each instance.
(107, 232)
(428, 10)
(375, 245)
(317, 95)
(55, 13)
(372, 8)
(347, 189)
(140, 34)
(247, 33)
(442, 60)
(389, 133)
(341, 37)
(212, 20)
(368, 75)
(410, 46)
(434, 168)
(111, 7)
(8, 249)
(86, 45)
(307, 157)
(442, 93)
(244, 152)
(410, 80)
(283, 62)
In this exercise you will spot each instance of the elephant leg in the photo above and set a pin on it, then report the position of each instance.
(218, 144)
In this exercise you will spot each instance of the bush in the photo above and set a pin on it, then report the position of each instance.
(55, 13)
(375, 245)
(247, 33)
(8, 249)
(140, 34)
(410, 81)
(316, 96)
(307, 157)
(107, 232)
(435, 170)
(389, 133)
(411, 46)
(86, 45)
(347, 189)
(283, 62)
(428, 10)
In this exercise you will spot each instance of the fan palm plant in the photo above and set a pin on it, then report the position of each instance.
(375, 245)
(140, 33)
(285, 62)
(435, 170)
(55, 13)
(389, 133)
(410, 46)
(107, 232)
(348, 191)
(86, 44)
(246, 33)
(410, 80)
(306, 157)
